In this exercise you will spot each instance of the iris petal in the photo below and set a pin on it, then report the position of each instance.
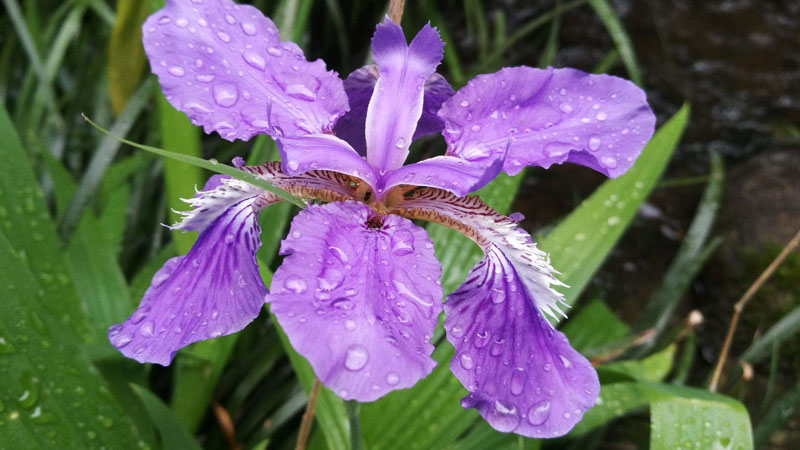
(358, 295)
(522, 375)
(214, 290)
(224, 65)
(549, 117)
(360, 85)
(397, 100)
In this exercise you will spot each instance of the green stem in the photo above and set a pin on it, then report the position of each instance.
(353, 409)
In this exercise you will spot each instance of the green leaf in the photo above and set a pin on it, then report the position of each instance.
(690, 258)
(652, 368)
(615, 400)
(212, 165)
(620, 38)
(594, 326)
(173, 435)
(580, 243)
(783, 410)
(51, 396)
(693, 418)
(180, 136)
(126, 60)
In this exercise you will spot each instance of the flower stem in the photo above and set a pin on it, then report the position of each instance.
(739, 306)
(308, 416)
(353, 409)
(396, 10)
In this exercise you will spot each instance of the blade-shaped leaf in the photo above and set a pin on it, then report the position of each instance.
(52, 396)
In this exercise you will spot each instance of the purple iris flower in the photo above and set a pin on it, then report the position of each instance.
(359, 291)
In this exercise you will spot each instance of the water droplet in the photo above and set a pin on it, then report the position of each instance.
(594, 143)
(349, 325)
(518, 381)
(340, 254)
(547, 367)
(255, 60)
(504, 418)
(122, 340)
(356, 357)
(226, 95)
(343, 303)
(608, 162)
(601, 116)
(146, 329)
(457, 331)
(295, 284)
(330, 279)
(498, 296)
(300, 91)
(402, 243)
(401, 142)
(392, 379)
(567, 363)
(229, 238)
(105, 421)
(217, 331)
(223, 36)
(566, 108)
(466, 361)
(230, 19)
(177, 71)
(539, 412)
(293, 164)
(248, 28)
(274, 51)
(182, 22)
(464, 103)
(205, 78)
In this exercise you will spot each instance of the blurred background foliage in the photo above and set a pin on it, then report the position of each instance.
(647, 258)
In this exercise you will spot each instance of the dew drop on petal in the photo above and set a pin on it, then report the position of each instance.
(223, 36)
(255, 60)
(349, 325)
(594, 143)
(356, 357)
(146, 329)
(295, 284)
(177, 71)
(274, 51)
(402, 243)
(466, 361)
(518, 381)
(226, 95)
(330, 279)
(608, 162)
(504, 418)
(392, 379)
(248, 28)
(539, 412)
(343, 303)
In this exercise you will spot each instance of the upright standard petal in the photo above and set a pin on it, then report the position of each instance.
(223, 65)
(214, 290)
(522, 375)
(360, 85)
(397, 100)
(323, 152)
(549, 116)
(358, 295)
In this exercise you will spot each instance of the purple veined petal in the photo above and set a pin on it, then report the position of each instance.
(322, 184)
(214, 290)
(358, 295)
(522, 375)
(224, 66)
(551, 116)
(323, 152)
(397, 100)
(450, 173)
(360, 85)
(218, 195)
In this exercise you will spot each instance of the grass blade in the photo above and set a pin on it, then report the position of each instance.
(620, 38)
